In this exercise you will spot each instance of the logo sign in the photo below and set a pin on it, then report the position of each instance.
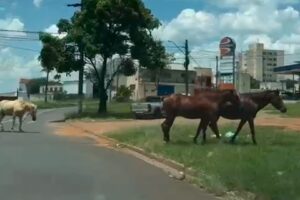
(227, 47)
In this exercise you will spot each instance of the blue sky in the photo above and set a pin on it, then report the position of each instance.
(276, 23)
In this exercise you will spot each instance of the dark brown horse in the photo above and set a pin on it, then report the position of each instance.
(251, 104)
(204, 106)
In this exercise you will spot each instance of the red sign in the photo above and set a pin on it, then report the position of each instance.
(227, 47)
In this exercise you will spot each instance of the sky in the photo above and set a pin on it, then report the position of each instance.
(276, 23)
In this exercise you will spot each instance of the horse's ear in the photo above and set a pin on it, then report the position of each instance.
(277, 92)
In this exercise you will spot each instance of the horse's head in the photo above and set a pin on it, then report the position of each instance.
(32, 109)
(277, 102)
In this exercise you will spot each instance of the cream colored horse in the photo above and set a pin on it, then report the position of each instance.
(16, 108)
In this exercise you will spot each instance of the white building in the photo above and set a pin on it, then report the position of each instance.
(53, 87)
(260, 62)
(71, 87)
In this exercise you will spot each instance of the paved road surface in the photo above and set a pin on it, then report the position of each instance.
(38, 165)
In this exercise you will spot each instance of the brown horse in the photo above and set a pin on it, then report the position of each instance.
(204, 106)
(251, 104)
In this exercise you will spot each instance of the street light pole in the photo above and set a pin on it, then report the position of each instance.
(81, 69)
(186, 63)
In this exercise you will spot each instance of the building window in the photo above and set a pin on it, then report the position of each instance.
(51, 89)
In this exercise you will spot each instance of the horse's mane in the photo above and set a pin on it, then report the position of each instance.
(258, 94)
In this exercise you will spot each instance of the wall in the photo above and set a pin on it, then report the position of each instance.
(71, 87)
(244, 83)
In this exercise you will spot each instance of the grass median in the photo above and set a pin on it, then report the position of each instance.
(269, 170)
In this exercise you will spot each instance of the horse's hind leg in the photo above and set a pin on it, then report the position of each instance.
(1, 118)
(251, 124)
(241, 124)
(166, 125)
(214, 127)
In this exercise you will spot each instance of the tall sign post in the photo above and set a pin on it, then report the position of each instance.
(227, 49)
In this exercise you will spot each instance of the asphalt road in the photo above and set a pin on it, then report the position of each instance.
(38, 165)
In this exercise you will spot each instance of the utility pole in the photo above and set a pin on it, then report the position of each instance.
(81, 70)
(217, 71)
(186, 66)
(186, 62)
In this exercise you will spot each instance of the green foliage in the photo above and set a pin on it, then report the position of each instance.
(127, 67)
(254, 84)
(123, 94)
(109, 27)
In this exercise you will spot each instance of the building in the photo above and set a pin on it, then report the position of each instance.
(243, 83)
(53, 87)
(260, 62)
(203, 78)
(144, 83)
(71, 87)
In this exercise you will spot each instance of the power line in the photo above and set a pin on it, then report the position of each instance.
(25, 31)
(20, 48)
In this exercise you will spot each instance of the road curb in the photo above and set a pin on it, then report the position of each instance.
(172, 168)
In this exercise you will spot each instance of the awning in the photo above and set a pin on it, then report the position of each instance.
(288, 69)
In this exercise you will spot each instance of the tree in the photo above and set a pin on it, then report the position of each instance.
(49, 56)
(110, 27)
(55, 54)
(123, 94)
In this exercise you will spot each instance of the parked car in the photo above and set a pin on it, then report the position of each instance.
(151, 107)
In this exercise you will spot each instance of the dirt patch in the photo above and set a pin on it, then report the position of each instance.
(273, 120)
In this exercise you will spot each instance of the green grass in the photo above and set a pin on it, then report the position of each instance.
(115, 111)
(293, 110)
(271, 170)
(55, 104)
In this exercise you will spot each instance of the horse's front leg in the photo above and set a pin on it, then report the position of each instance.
(251, 124)
(241, 124)
(214, 127)
(204, 127)
(20, 124)
(166, 126)
(13, 122)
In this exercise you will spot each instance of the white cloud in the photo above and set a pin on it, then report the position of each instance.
(272, 22)
(53, 29)
(37, 3)
(14, 67)
(12, 24)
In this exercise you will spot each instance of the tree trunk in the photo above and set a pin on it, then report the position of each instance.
(46, 88)
(102, 91)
